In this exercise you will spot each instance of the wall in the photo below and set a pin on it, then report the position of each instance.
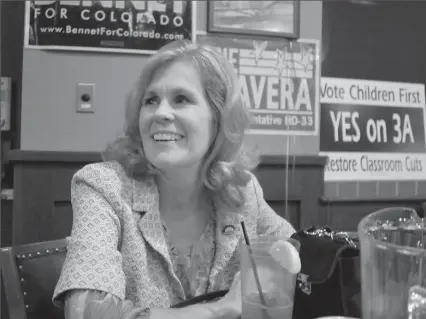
(383, 42)
(50, 123)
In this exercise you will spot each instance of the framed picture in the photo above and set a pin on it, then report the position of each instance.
(267, 18)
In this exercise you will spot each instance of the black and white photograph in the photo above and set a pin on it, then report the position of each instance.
(267, 18)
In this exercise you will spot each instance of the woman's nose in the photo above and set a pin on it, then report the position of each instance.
(164, 112)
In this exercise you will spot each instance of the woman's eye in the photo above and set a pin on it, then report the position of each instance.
(150, 101)
(181, 99)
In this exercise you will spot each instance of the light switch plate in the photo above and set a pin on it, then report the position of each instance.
(85, 98)
(5, 102)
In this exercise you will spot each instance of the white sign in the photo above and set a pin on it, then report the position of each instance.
(372, 130)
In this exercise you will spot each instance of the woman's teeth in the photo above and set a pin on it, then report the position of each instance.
(166, 137)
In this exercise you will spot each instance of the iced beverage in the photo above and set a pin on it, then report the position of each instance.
(276, 282)
(277, 309)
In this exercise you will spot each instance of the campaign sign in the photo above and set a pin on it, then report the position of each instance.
(279, 82)
(372, 130)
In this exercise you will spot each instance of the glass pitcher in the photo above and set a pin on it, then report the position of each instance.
(393, 264)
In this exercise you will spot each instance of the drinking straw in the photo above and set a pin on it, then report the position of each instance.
(256, 275)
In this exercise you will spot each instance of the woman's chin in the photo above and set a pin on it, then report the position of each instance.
(177, 167)
(174, 161)
(170, 164)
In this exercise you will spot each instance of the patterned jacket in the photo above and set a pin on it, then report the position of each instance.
(118, 246)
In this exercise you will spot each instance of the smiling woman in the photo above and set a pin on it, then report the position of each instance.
(150, 222)
(176, 120)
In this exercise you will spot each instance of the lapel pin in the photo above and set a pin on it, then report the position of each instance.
(228, 230)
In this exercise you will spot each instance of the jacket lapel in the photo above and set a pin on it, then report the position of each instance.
(146, 206)
(145, 203)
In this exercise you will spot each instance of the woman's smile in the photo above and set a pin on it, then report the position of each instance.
(167, 137)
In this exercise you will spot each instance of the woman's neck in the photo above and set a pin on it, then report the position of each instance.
(180, 198)
(185, 209)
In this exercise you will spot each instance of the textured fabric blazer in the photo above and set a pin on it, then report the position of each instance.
(118, 246)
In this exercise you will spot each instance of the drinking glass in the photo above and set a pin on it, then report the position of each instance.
(277, 283)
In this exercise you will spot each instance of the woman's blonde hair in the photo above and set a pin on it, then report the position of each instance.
(226, 165)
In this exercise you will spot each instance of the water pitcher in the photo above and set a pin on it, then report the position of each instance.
(393, 264)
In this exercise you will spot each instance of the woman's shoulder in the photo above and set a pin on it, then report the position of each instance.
(252, 190)
(108, 172)
(109, 175)
(107, 179)
(102, 172)
(102, 169)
